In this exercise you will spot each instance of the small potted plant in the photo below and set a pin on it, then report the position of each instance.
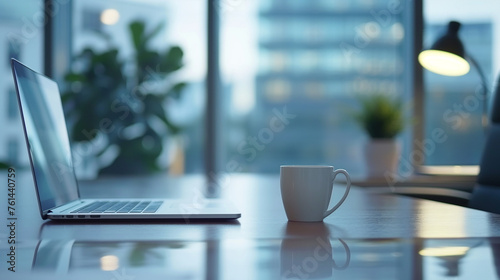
(382, 118)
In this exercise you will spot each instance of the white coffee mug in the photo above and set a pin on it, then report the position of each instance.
(306, 191)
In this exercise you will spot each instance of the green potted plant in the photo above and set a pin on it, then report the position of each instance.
(119, 105)
(382, 118)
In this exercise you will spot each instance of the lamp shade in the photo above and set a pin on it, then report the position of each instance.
(447, 55)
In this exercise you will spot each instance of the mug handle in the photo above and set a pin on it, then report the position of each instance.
(348, 187)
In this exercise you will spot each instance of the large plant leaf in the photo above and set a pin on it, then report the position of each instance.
(140, 38)
(137, 32)
(147, 62)
(172, 60)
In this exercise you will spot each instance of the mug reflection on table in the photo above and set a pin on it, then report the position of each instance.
(307, 252)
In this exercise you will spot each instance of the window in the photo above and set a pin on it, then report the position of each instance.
(454, 105)
(137, 132)
(303, 63)
(292, 70)
(21, 33)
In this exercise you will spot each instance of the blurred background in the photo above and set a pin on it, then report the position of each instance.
(289, 76)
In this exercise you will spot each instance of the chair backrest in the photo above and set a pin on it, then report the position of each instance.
(486, 193)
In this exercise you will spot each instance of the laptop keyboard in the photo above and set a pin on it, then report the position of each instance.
(120, 207)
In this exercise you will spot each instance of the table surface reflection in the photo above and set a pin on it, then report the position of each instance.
(371, 236)
(308, 257)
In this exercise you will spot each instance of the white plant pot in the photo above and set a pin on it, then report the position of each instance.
(382, 157)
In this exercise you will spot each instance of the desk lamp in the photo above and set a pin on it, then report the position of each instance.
(447, 57)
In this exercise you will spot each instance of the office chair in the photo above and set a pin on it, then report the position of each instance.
(486, 192)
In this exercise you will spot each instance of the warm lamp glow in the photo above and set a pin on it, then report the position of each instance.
(110, 16)
(443, 63)
(444, 251)
(109, 263)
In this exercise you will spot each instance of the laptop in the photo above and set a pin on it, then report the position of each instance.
(53, 172)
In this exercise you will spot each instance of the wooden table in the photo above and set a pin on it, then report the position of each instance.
(371, 236)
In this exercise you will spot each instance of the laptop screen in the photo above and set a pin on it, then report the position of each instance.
(47, 137)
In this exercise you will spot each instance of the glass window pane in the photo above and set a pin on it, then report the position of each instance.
(292, 71)
(140, 69)
(454, 105)
(21, 33)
